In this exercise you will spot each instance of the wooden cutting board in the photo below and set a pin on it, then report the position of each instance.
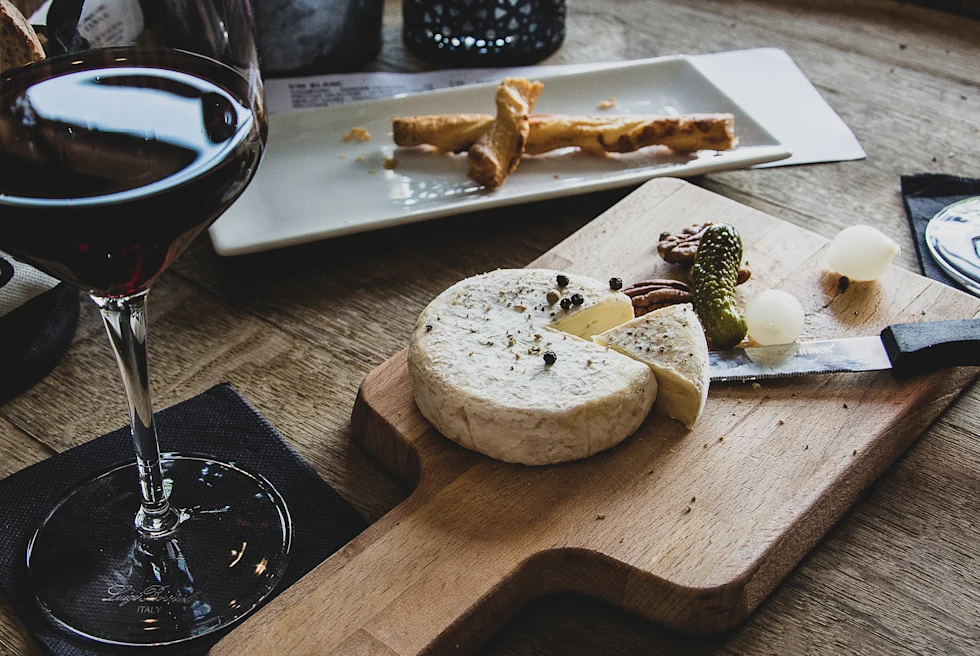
(691, 529)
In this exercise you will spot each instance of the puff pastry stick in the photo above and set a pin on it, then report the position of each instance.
(624, 134)
(596, 134)
(498, 150)
(450, 132)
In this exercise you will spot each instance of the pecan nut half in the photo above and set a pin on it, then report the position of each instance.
(681, 248)
(651, 295)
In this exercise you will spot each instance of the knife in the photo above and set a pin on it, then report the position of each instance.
(906, 348)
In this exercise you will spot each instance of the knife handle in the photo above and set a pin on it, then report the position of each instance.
(931, 345)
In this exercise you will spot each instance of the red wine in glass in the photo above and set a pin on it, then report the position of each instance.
(111, 162)
(114, 161)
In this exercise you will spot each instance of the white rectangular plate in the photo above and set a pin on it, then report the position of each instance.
(312, 184)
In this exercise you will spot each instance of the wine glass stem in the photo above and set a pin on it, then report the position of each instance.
(125, 321)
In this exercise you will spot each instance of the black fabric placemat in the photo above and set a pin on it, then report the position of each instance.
(925, 194)
(218, 423)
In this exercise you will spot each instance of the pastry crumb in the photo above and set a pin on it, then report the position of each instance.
(600, 516)
(390, 163)
(360, 158)
(360, 134)
(756, 386)
(372, 171)
(607, 104)
(342, 156)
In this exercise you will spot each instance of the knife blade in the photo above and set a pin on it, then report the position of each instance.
(907, 349)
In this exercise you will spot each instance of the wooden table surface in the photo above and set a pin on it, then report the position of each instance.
(295, 331)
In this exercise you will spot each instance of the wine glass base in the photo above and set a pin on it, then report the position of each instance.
(95, 576)
(953, 239)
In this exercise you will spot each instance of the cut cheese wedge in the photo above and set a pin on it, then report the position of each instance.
(479, 374)
(671, 341)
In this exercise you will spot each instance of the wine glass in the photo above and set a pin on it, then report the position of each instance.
(115, 159)
(953, 240)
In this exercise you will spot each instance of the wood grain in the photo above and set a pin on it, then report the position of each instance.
(895, 576)
(689, 529)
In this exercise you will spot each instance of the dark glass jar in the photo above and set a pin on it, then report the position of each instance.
(483, 32)
(308, 37)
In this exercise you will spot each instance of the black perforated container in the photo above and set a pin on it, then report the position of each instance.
(468, 33)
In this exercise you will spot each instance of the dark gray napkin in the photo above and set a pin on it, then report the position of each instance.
(218, 423)
(925, 195)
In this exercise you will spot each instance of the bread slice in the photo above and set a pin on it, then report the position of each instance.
(671, 342)
(19, 44)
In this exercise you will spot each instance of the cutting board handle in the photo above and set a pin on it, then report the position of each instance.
(428, 577)
(406, 586)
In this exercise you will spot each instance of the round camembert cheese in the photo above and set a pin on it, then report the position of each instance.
(479, 373)
(671, 341)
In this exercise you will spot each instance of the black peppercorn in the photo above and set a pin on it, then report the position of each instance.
(550, 357)
(577, 299)
(616, 284)
(428, 327)
(566, 303)
(562, 280)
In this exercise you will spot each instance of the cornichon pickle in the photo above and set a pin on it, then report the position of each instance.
(714, 276)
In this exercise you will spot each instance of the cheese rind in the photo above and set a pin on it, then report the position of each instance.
(479, 376)
(671, 341)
